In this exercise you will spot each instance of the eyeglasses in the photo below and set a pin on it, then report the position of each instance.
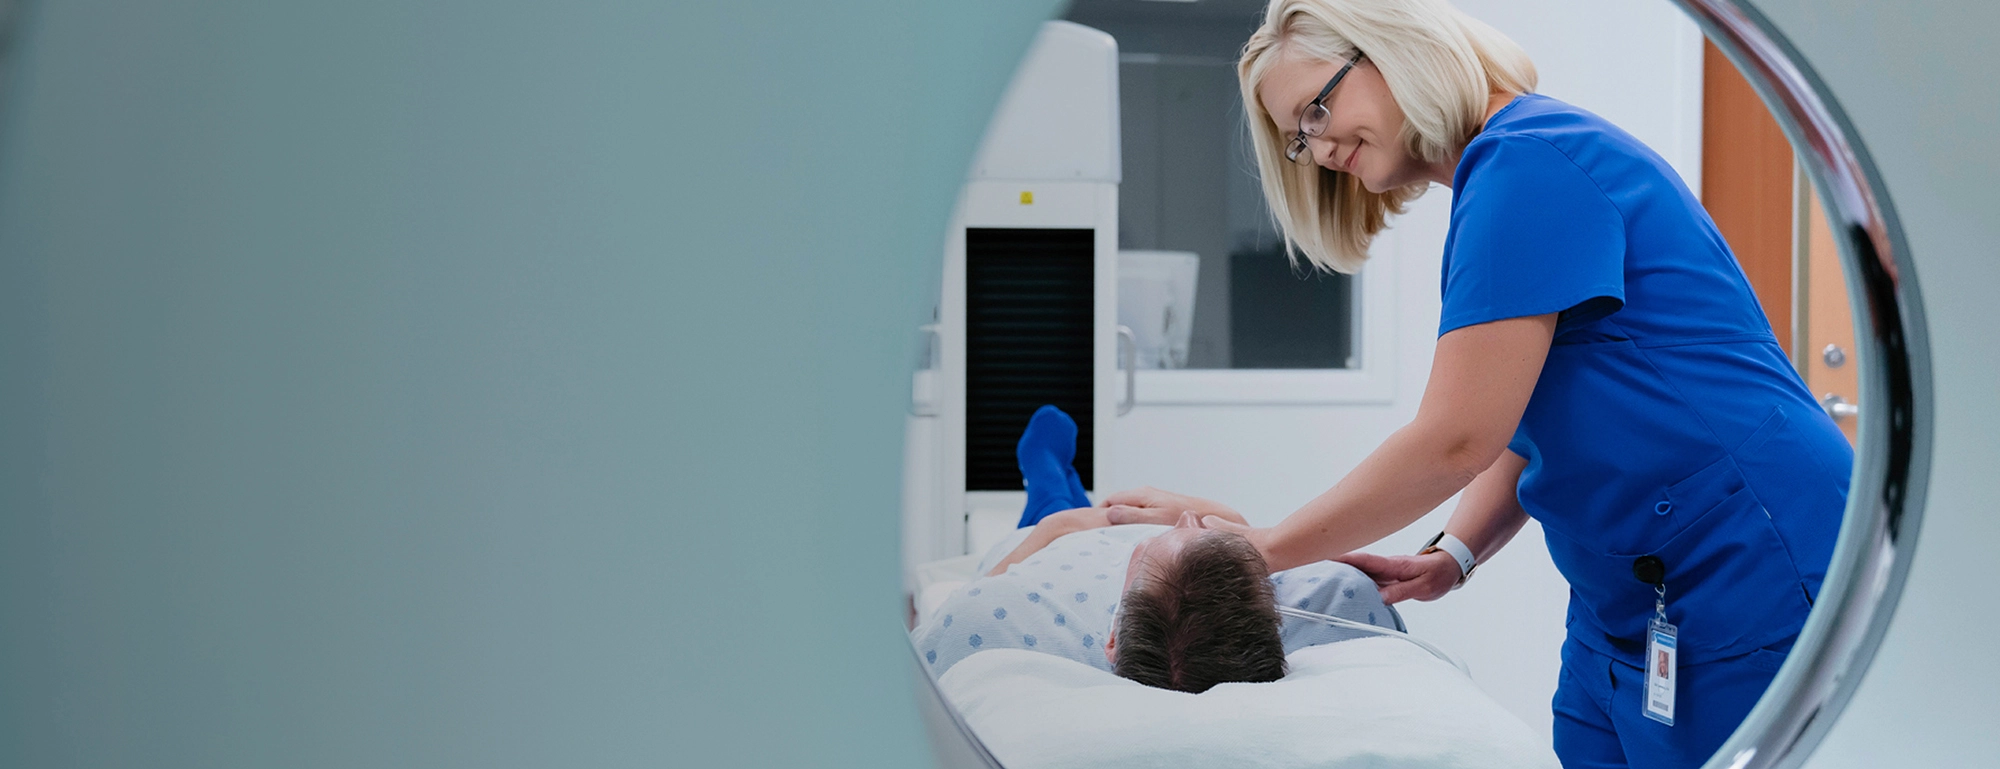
(1313, 121)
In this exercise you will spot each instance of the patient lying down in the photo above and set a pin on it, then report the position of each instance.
(1195, 606)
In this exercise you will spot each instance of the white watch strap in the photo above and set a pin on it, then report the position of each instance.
(1459, 552)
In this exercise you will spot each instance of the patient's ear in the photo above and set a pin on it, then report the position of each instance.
(1111, 647)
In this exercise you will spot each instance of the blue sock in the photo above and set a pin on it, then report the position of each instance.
(1077, 495)
(1045, 453)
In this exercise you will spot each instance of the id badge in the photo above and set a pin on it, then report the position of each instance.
(1661, 670)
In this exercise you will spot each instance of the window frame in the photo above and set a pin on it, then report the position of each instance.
(1371, 381)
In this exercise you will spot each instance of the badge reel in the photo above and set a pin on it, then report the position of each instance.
(1662, 645)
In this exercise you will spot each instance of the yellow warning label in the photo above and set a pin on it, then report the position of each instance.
(1027, 198)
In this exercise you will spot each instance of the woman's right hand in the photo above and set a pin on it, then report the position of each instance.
(1402, 577)
(1151, 505)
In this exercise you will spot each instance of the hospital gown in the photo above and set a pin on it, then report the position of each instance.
(1061, 599)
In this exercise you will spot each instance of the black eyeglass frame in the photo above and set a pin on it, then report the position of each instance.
(1297, 148)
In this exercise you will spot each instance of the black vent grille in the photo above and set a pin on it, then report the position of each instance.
(1029, 310)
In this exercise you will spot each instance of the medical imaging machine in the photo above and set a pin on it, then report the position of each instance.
(1027, 315)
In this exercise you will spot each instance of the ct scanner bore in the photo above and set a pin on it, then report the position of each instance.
(1885, 501)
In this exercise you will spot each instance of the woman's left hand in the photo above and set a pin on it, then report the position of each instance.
(1403, 577)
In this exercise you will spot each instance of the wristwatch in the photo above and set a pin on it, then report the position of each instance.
(1458, 551)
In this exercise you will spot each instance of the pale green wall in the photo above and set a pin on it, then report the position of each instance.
(469, 384)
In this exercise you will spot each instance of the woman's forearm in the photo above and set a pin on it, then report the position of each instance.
(1410, 474)
(1480, 383)
(1489, 513)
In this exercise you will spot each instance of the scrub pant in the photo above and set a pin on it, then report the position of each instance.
(1600, 719)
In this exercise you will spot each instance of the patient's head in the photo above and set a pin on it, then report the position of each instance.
(1197, 611)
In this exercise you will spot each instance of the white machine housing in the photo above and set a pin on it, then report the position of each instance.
(1049, 162)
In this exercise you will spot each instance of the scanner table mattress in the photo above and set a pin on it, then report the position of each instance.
(1371, 702)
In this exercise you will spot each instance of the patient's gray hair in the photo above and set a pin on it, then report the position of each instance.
(1208, 617)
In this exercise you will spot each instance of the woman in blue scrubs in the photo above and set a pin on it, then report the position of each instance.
(1602, 367)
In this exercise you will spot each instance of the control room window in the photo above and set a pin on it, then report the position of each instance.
(1191, 210)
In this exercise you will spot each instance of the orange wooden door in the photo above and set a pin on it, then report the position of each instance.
(1746, 184)
(1828, 356)
(1773, 224)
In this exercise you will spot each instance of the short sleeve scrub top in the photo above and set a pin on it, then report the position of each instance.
(1667, 422)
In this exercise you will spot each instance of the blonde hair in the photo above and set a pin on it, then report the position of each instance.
(1441, 66)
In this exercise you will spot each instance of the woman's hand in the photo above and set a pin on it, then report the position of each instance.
(1260, 538)
(1403, 577)
(1151, 505)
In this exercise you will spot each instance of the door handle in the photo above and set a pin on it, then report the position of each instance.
(1838, 407)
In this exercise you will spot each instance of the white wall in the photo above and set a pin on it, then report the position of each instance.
(1636, 62)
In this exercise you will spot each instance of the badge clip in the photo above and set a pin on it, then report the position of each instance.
(1662, 661)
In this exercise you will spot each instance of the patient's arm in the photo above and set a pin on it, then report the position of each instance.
(1151, 505)
(1049, 529)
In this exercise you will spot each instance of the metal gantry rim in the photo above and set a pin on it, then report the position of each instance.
(1878, 535)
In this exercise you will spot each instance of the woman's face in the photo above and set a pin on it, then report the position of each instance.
(1362, 125)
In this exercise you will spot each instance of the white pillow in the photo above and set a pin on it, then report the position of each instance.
(1370, 702)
